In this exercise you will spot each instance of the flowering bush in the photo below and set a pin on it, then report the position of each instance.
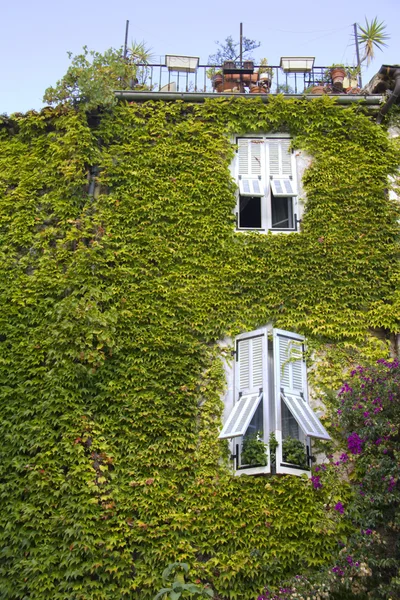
(368, 425)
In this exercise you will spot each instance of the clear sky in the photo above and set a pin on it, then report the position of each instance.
(36, 35)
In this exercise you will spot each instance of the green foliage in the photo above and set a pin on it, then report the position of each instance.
(180, 589)
(294, 451)
(230, 50)
(116, 285)
(366, 564)
(91, 79)
(371, 36)
(254, 450)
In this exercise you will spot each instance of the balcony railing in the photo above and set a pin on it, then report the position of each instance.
(158, 78)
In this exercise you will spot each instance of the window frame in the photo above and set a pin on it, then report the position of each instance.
(271, 397)
(265, 178)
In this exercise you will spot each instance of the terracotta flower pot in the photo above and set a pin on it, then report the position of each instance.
(258, 90)
(248, 64)
(229, 64)
(338, 74)
(318, 89)
(250, 78)
(232, 86)
(265, 81)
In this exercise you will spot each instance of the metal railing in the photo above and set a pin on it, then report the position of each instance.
(157, 77)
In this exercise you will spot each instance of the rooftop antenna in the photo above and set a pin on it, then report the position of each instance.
(358, 54)
(241, 44)
(126, 40)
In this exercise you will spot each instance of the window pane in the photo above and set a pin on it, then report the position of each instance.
(290, 427)
(282, 212)
(256, 424)
(250, 212)
(253, 451)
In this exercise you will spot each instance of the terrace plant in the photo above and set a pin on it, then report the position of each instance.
(371, 36)
(92, 77)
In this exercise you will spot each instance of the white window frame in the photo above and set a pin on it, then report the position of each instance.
(271, 390)
(266, 180)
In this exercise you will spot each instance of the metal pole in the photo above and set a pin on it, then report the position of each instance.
(241, 44)
(358, 55)
(126, 39)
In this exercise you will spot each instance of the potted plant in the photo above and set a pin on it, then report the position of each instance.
(294, 451)
(265, 75)
(254, 451)
(337, 73)
(273, 444)
(217, 80)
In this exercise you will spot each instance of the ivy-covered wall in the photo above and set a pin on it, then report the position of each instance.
(112, 307)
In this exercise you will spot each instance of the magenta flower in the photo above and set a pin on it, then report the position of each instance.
(339, 507)
(316, 481)
(354, 443)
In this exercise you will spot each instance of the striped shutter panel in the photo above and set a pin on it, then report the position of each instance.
(241, 416)
(305, 416)
(250, 156)
(282, 187)
(288, 352)
(291, 376)
(250, 187)
(248, 382)
(250, 359)
(280, 159)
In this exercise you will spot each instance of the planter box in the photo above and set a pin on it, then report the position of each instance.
(297, 64)
(186, 64)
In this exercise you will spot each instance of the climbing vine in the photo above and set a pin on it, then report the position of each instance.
(120, 272)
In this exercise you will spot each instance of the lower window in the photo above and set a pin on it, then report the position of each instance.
(250, 212)
(281, 212)
(270, 422)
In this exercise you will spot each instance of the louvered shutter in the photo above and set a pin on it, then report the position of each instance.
(249, 379)
(250, 156)
(251, 166)
(280, 159)
(250, 187)
(291, 382)
(282, 187)
(305, 416)
(280, 168)
(289, 365)
(241, 415)
(249, 364)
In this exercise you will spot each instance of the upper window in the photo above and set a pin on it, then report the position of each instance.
(270, 401)
(265, 173)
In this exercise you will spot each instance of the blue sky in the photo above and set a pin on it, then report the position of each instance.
(36, 35)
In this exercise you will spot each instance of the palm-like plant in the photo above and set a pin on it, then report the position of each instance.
(372, 36)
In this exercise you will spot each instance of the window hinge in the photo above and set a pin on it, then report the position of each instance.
(235, 456)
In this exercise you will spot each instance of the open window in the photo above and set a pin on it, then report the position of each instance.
(266, 177)
(270, 397)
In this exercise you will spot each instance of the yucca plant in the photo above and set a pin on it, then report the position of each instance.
(371, 36)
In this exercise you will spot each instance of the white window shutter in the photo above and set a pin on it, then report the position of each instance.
(250, 156)
(289, 365)
(280, 159)
(291, 378)
(250, 364)
(250, 187)
(283, 187)
(241, 415)
(305, 416)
